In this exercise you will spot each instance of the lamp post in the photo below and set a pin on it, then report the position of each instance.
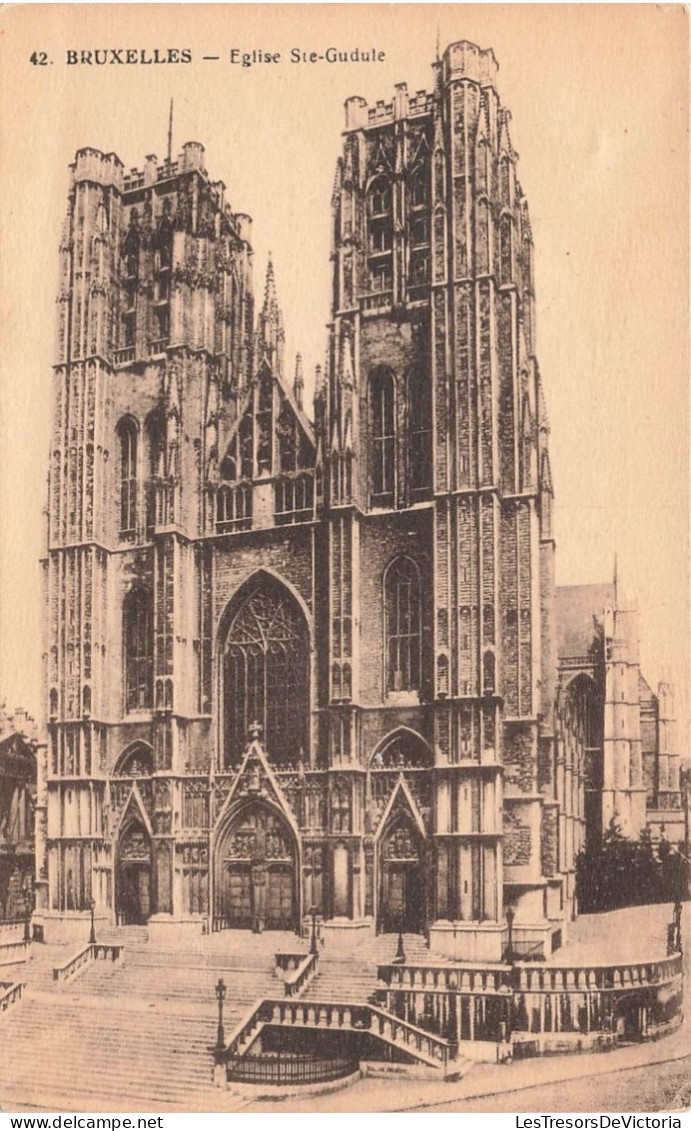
(220, 997)
(677, 924)
(510, 916)
(27, 924)
(92, 933)
(400, 950)
(314, 949)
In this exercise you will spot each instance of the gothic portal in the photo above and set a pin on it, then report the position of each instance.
(257, 879)
(304, 660)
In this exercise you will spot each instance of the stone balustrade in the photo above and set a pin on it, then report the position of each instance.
(10, 992)
(298, 978)
(434, 1051)
(424, 978)
(92, 952)
(564, 979)
(13, 951)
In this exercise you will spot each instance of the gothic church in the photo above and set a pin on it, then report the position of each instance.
(306, 662)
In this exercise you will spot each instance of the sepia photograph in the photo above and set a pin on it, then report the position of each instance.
(344, 559)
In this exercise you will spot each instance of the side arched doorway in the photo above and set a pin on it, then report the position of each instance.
(256, 883)
(133, 895)
(402, 879)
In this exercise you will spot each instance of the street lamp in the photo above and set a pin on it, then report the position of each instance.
(400, 950)
(510, 916)
(92, 934)
(220, 997)
(314, 949)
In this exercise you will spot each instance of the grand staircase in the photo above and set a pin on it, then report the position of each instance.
(133, 1035)
(353, 976)
(136, 1034)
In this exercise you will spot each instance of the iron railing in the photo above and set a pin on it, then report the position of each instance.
(286, 1068)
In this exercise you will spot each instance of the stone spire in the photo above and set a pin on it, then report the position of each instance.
(270, 335)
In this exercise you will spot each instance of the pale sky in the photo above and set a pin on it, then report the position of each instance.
(599, 103)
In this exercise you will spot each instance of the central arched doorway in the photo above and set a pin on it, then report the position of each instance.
(133, 895)
(256, 872)
(402, 886)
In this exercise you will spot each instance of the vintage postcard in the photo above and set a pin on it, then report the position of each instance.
(344, 610)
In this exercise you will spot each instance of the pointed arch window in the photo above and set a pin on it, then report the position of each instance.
(380, 197)
(419, 230)
(380, 236)
(130, 253)
(419, 430)
(266, 674)
(139, 649)
(155, 437)
(489, 674)
(403, 628)
(128, 437)
(383, 437)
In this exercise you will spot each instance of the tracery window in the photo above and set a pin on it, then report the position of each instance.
(130, 281)
(138, 649)
(266, 674)
(419, 264)
(383, 436)
(294, 499)
(403, 635)
(127, 433)
(419, 430)
(380, 235)
(234, 508)
(155, 436)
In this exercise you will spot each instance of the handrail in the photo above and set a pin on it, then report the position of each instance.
(83, 958)
(428, 976)
(340, 1016)
(289, 959)
(10, 992)
(534, 977)
(297, 980)
(7, 948)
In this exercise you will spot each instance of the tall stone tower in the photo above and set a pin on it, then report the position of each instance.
(438, 498)
(154, 348)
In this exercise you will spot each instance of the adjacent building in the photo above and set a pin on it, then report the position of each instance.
(19, 753)
(633, 764)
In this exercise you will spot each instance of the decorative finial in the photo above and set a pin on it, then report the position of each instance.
(170, 133)
(255, 731)
(298, 383)
(616, 583)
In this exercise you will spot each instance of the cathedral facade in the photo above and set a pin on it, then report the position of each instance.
(305, 664)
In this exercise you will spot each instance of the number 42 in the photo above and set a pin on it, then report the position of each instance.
(38, 58)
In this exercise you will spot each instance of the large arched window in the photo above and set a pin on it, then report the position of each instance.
(266, 674)
(403, 635)
(383, 436)
(127, 435)
(138, 649)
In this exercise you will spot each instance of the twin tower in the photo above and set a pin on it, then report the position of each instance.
(305, 661)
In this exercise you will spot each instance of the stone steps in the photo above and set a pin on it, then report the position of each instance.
(353, 977)
(134, 1034)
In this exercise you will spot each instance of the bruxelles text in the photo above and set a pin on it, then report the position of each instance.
(145, 56)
